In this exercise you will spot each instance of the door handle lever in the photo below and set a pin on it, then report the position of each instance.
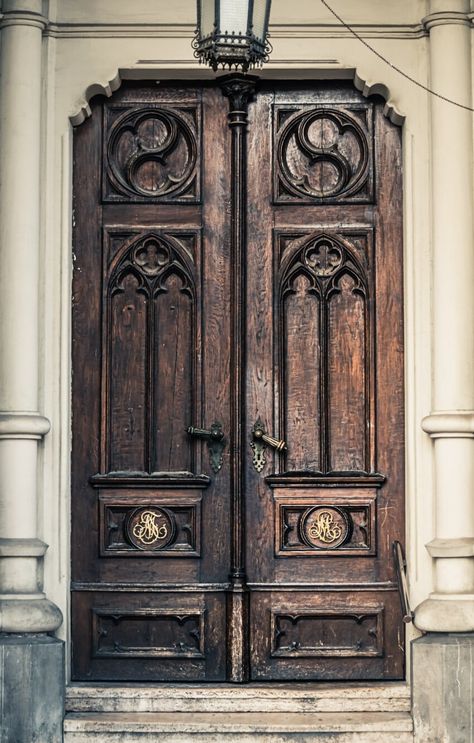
(215, 442)
(259, 439)
(215, 432)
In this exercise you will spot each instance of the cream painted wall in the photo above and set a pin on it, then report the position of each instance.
(83, 57)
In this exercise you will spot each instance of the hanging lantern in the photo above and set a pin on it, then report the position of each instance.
(232, 33)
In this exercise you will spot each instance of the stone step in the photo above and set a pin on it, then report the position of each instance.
(238, 727)
(293, 697)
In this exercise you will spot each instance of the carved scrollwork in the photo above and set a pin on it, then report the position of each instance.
(323, 154)
(152, 153)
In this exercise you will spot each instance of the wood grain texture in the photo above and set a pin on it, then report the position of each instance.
(347, 420)
(252, 269)
(302, 376)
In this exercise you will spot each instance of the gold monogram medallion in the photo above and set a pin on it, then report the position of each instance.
(150, 528)
(324, 527)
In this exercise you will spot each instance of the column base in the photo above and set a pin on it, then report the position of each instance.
(31, 688)
(23, 614)
(446, 613)
(442, 682)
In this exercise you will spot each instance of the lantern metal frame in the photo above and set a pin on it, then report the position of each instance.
(227, 49)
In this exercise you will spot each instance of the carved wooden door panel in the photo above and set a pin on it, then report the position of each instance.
(325, 375)
(220, 556)
(150, 532)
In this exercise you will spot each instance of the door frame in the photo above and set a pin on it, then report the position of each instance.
(57, 453)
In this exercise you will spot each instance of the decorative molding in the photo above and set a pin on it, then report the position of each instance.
(23, 425)
(446, 18)
(462, 547)
(446, 613)
(23, 18)
(22, 547)
(449, 424)
(28, 614)
(277, 68)
(166, 480)
(277, 30)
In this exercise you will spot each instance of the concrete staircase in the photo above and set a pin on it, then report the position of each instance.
(303, 713)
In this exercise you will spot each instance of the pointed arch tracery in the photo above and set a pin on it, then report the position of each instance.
(325, 356)
(150, 297)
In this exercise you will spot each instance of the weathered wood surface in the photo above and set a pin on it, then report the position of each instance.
(190, 307)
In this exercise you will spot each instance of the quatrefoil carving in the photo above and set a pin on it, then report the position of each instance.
(152, 154)
(322, 154)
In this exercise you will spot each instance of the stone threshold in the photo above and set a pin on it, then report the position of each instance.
(243, 727)
(228, 698)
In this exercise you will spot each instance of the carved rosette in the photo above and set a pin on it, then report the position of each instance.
(152, 154)
(323, 154)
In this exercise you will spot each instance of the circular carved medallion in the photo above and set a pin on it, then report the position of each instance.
(151, 152)
(322, 154)
(324, 527)
(150, 528)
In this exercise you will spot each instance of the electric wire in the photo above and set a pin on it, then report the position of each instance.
(393, 66)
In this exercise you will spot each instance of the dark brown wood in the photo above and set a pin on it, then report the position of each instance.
(152, 266)
(325, 371)
(237, 261)
(239, 89)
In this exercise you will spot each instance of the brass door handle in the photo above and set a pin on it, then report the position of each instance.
(215, 442)
(259, 433)
(259, 439)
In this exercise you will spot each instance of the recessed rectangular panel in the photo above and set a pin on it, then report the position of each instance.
(147, 633)
(150, 524)
(325, 522)
(301, 352)
(136, 635)
(347, 376)
(323, 334)
(328, 634)
(319, 634)
(127, 378)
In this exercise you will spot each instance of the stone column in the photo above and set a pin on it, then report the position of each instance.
(441, 715)
(32, 710)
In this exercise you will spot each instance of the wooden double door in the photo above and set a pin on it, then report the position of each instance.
(242, 278)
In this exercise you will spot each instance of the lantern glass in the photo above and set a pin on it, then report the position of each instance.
(206, 17)
(260, 21)
(234, 17)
